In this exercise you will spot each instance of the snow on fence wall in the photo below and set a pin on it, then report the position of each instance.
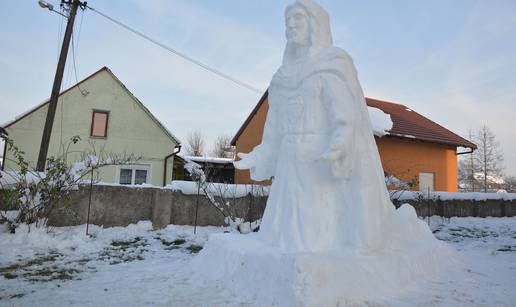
(114, 205)
(472, 196)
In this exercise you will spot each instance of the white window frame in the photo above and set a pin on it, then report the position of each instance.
(134, 168)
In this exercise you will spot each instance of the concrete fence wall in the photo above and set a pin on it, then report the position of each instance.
(120, 206)
(463, 208)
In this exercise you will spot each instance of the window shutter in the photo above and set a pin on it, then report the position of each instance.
(99, 124)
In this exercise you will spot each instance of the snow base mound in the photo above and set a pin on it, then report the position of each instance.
(260, 273)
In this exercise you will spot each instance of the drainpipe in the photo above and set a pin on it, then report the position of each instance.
(3, 133)
(177, 149)
(465, 152)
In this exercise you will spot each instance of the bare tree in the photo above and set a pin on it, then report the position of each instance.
(222, 147)
(468, 167)
(488, 156)
(483, 169)
(35, 195)
(195, 144)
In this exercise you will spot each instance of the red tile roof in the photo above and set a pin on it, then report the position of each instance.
(409, 124)
(406, 124)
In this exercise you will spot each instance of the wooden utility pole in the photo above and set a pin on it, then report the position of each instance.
(49, 122)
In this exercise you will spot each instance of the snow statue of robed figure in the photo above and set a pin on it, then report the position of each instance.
(329, 232)
(328, 190)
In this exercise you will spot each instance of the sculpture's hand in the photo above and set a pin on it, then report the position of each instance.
(340, 166)
(331, 155)
(247, 161)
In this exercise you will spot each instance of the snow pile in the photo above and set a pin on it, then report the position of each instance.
(342, 276)
(29, 240)
(381, 121)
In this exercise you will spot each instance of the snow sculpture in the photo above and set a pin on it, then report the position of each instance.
(330, 232)
(329, 190)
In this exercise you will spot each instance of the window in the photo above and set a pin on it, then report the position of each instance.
(140, 176)
(99, 124)
(426, 182)
(126, 176)
(134, 175)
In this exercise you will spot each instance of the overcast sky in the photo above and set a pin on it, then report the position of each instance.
(453, 61)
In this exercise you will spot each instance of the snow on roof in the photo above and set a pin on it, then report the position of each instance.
(208, 159)
(410, 124)
(22, 115)
(380, 121)
(490, 178)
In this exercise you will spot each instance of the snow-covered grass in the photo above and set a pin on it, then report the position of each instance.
(136, 266)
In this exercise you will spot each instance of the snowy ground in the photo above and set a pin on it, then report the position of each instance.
(136, 266)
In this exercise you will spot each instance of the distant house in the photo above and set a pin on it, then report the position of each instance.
(416, 149)
(106, 115)
(219, 170)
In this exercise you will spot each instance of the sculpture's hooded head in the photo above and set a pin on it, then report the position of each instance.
(307, 24)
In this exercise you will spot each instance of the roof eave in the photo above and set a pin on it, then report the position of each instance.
(250, 117)
(471, 145)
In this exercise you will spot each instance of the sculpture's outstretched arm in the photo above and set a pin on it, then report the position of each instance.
(261, 161)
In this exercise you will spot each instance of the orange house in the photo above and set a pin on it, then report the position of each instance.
(416, 149)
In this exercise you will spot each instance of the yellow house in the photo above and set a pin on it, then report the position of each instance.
(106, 116)
(416, 149)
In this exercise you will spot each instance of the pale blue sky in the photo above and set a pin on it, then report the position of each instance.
(453, 61)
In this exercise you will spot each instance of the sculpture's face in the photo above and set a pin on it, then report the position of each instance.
(297, 27)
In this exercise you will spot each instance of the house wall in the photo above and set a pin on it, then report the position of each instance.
(250, 137)
(130, 129)
(405, 159)
(402, 158)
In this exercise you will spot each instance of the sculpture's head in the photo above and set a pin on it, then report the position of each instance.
(307, 25)
(297, 24)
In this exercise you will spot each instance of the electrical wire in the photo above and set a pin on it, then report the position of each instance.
(180, 54)
(75, 46)
(83, 92)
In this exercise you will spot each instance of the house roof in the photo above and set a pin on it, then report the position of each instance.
(248, 119)
(138, 102)
(406, 124)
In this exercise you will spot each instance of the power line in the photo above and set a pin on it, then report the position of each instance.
(180, 54)
(75, 46)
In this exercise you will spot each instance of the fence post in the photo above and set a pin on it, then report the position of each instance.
(197, 207)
